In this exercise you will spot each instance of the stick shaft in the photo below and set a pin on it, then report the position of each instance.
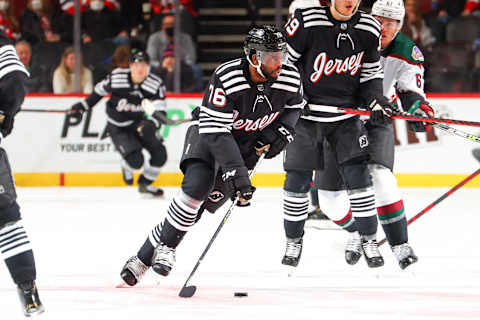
(457, 132)
(410, 117)
(44, 110)
(440, 199)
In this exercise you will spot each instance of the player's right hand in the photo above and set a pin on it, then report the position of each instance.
(380, 114)
(76, 111)
(239, 181)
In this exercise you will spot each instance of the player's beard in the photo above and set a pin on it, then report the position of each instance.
(269, 75)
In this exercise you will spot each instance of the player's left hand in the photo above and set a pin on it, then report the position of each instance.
(380, 114)
(274, 139)
(424, 109)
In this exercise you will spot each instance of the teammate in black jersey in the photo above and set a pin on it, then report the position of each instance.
(250, 103)
(337, 51)
(14, 242)
(132, 127)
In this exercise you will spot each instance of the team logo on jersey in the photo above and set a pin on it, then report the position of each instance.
(124, 106)
(215, 196)
(363, 141)
(324, 66)
(417, 54)
(253, 125)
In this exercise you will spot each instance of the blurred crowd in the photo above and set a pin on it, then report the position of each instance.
(42, 31)
(447, 31)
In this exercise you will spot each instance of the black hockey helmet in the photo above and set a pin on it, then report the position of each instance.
(266, 39)
(137, 55)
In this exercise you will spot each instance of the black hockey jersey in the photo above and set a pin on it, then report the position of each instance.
(13, 77)
(339, 60)
(235, 110)
(124, 107)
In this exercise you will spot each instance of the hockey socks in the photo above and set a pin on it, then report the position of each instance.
(394, 223)
(362, 203)
(17, 253)
(295, 210)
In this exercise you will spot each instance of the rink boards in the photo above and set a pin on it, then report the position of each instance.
(46, 150)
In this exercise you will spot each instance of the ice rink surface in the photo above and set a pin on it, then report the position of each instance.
(83, 236)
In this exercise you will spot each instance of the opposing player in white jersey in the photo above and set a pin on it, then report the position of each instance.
(402, 62)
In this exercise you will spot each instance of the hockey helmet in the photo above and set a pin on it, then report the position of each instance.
(137, 55)
(393, 9)
(265, 39)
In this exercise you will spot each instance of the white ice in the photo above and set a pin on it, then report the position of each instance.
(83, 236)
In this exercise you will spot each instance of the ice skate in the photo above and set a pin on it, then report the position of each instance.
(293, 252)
(353, 249)
(163, 259)
(316, 214)
(127, 174)
(31, 304)
(150, 190)
(404, 254)
(372, 254)
(133, 271)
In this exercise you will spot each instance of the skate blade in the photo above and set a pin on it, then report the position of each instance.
(290, 271)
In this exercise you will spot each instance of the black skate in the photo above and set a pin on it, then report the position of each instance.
(150, 190)
(163, 259)
(353, 249)
(293, 252)
(404, 254)
(372, 254)
(133, 271)
(29, 299)
(317, 214)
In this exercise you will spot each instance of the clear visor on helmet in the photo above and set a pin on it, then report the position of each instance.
(272, 56)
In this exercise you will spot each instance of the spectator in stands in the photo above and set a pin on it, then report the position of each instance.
(158, 42)
(470, 6)
(8, 22)
(450, 8)
(188, 14)
(102, 22)
(64, 73)
(188, 83)
(35, 23)
(38, 80)
(415, 27)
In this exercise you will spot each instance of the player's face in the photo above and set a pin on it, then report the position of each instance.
(346, 7)
(389, 30)
(139, 71)
(272, 63)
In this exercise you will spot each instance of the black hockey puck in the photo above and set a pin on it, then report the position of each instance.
(240, 294)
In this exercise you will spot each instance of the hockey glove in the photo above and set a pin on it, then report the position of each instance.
(147, 128)
(239, 182)
(273, 140)
(76, 111)
(420, 108)
(381, 112)
(6, 124)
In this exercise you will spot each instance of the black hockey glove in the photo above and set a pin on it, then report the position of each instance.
(424, 109)
(147, 128)
(274, 138)
(239, 181)
(76, 111)
(6, 123)
(379, 114)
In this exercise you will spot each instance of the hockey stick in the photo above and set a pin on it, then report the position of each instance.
(188, 291)
(434, 203)
(407, 116)
(457, 132)
(44, 110)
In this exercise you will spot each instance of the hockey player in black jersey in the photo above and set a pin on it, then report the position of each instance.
(131, 126)
(14, 242)
(337, 51)
(250, 103)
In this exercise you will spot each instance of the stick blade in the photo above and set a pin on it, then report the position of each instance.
(187, 292)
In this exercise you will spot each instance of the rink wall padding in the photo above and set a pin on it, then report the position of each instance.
(46, 150)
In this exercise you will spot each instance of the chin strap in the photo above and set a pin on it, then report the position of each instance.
(257, 67)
